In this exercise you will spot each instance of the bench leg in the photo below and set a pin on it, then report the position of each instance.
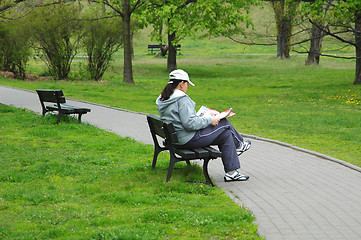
(79, 117)
(157, 150)
(59, 116)
(205, 172)
(170, 168)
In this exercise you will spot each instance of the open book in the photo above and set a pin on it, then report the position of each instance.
(209, 112)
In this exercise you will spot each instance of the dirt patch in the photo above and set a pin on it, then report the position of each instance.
(36, 77)
(28, 76)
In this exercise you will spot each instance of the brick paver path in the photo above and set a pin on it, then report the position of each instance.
(292, 193)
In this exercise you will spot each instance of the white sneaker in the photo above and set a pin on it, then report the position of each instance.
(236, 176)
(245, 145)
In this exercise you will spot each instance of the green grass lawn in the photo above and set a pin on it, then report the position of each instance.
(74, 181)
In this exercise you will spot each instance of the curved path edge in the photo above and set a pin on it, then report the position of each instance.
(317, 154)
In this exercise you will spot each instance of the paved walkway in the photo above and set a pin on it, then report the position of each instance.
(294, 194)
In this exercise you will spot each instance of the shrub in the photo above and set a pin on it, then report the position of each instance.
(56, 34)
(102, 38)
(14, 48)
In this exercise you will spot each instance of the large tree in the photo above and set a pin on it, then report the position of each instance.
(125, 9)
(196, 18)
(314, 53)
(344, 18)
(285, 12)
(317, 34)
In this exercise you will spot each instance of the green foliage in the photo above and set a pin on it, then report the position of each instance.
(338, 13)
(344, 11)
(101, 39)
(7, 6)
(56, 33)
(198, 18)
(14, 47)
(74, 181)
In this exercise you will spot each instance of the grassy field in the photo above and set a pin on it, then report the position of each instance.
(74, 181)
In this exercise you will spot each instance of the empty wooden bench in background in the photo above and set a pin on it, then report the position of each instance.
(156, 47)
(165, 132)
(57, 102)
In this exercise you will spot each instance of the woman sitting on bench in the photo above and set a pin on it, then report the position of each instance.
(196, 132)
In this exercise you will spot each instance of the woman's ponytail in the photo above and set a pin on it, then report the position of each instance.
(169, 89)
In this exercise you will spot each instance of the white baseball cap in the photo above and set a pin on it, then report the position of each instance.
(179, 74)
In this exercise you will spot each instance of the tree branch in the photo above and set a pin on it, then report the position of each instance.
(138, 5)
(252, 44)
(300, 31)
(326, 55)
(328, 32)
(94, 19)
(14, 3)
(117, 10)
(186, 3)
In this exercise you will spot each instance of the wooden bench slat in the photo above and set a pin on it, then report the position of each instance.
(158, 128)
(53, 96)
(214, 152)
(201, 153)
(185, 153)
(66, 107)
(170, 129)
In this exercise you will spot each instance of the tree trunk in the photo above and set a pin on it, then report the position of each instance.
(172, 53)
(163, 49)
(131, 43)
(128, 68)
(284, 29)
(284, 38)
(358, 47)
(316, 45)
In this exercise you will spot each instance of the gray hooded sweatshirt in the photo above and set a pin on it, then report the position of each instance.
(180, 109)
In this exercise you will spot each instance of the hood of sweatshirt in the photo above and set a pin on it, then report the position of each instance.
(162, 105)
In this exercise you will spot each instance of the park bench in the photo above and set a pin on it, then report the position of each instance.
(153, 47)
(163, 131)
(57, 102)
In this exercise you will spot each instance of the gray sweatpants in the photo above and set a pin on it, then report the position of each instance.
(225, 136)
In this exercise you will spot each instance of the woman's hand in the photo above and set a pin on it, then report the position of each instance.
(215, 121)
